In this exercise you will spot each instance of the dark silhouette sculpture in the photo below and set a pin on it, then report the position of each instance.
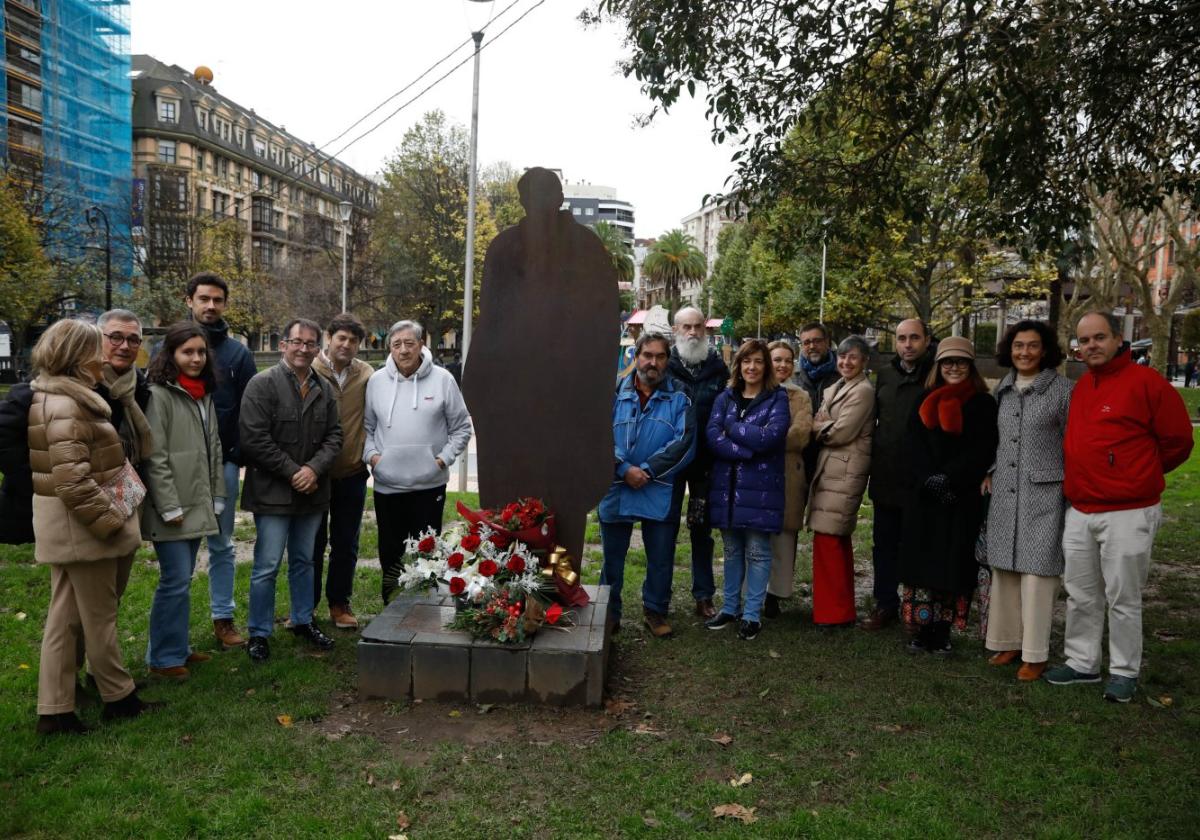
(539, 377)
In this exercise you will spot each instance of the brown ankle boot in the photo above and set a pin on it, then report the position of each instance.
(226, 633)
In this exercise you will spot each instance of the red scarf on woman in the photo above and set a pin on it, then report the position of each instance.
(194, 387)
(942, 409)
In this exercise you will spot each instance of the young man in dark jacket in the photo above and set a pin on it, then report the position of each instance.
(898, 389)
(207, 297)
(290, 439)
(1126, 428)
(702, 373)
(16, 493)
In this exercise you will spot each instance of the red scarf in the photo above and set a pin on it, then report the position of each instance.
(194, 387)
(942, 409)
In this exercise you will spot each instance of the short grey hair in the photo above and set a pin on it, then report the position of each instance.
(118, 315)
(853, 343)
(406, 325)
(647, 337)
(682, 309)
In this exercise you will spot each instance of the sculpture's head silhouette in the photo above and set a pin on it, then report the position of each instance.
(540, 191)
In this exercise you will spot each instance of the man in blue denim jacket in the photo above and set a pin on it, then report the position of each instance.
(654, 436)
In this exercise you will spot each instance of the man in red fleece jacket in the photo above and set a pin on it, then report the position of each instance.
(1127, 427)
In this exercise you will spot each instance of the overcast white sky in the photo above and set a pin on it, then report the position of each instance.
(550, 94)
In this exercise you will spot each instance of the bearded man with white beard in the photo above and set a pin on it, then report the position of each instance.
(702, 373)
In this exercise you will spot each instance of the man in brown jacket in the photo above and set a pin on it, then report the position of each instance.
(340, 528)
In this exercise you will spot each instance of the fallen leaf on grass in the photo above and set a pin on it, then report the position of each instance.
(774, 654)
(647, 729)
(397, 837)
(20, 616)
(186, 739)
(22, 667)
(650, 822)
(1167, 635)
(484, 708)
(763, 693)
(735, 811)
(250, 692)
(851, 754)
(742, 780)
(723, 739)
(455, 713)
(889, 727)
(396, 785)
(1160, 702)
(617, 706)
(284, 720)
(402, 821)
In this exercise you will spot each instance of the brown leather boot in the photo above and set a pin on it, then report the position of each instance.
(176, 673)
(342, 617)
(657, 625)
(705, 608)
(1030, 671)
(226, 633)
(1004, 657)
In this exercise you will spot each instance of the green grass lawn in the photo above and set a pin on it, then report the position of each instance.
(844, 735)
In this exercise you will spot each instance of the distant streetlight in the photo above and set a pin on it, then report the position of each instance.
(824, 234)
(479, 14)
(92, 214)
(345, 208)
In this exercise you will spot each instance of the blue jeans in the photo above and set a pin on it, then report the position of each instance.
(275, 533)
(220, 550)
(659, 540)
(172, 605)
(748, 556)
(703, 584)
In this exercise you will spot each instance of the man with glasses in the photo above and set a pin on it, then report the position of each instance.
(207, 297)
(290, 439)
(701, 372)
(898, 388)
(818, 363)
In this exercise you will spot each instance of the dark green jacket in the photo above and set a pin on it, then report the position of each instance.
(280, 433)
(183, 474)
(896, 397)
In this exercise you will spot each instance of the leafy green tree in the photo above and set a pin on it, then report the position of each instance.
(614, 242)
(673, 260)
(420, 227)
(26, 292)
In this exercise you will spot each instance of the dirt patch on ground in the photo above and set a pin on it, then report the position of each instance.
(414, 730)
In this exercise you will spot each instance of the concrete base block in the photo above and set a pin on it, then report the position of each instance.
(384, 670)
(498, 674)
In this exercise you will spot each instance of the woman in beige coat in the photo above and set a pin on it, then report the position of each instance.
(843, 426)
(80, 531)
(783, 544)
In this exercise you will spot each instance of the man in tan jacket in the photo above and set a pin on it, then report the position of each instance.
(348, 494)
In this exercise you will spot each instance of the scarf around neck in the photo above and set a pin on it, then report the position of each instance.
(194, 387)
(942, 409)
(123, 389)
(818, 372)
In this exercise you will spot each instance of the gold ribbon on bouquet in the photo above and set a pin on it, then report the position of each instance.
(559, 565)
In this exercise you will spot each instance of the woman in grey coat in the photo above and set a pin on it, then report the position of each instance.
(1025, 519)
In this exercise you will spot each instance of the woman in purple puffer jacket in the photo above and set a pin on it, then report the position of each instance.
(747, 432)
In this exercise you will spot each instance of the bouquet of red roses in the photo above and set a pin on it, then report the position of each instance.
(526, 520)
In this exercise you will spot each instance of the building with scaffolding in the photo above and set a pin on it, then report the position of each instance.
(65, 121)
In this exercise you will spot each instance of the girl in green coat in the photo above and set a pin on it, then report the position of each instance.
(185, 487)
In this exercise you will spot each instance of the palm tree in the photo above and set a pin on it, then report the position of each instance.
(674, 259)
(614, 242)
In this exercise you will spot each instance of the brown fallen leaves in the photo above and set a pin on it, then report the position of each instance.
(736, 812)
(742, 780)
(283, 720)
(722, 738)
(618, 706)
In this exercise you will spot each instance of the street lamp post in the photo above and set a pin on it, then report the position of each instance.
(824, 236)
(479, 12)
(92, 214)
(345, 207)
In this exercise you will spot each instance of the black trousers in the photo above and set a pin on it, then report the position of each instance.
(339, 530)
(399, 517)
(885, 555)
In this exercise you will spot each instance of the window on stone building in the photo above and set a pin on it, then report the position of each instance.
(166, 151)
(168, 111)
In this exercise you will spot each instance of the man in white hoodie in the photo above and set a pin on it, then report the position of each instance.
(417, 426)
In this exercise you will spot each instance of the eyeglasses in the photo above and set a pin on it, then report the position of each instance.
(810, 342)
(117, 339)
(298, 343)
(953, 363)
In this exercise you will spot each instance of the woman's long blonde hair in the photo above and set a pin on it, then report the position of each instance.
(65, 348)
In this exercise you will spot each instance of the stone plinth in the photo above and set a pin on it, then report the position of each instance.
(407, 653)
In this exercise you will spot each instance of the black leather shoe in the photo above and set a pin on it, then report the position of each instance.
(258, 649)
(313, 634)
(65, 723)
(129, 706)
